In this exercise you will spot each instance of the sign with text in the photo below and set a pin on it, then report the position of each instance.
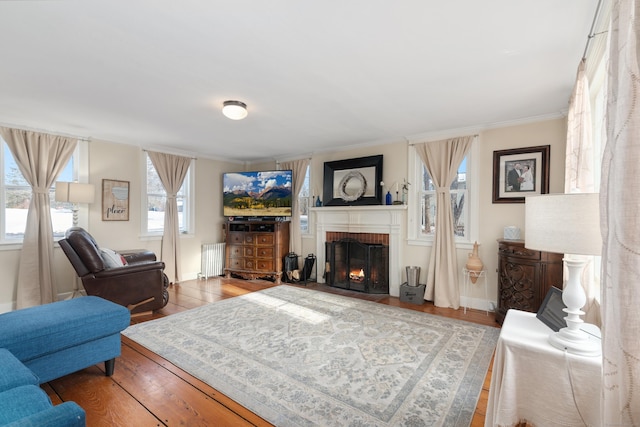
(115, 200)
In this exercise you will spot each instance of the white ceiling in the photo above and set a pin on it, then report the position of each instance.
(316, 75)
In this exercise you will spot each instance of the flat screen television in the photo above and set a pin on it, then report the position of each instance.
(257, 194)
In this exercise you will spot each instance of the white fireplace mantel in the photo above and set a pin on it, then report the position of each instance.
(363, 219)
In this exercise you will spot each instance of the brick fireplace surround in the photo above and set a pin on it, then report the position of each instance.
(375, 238)
(368, 224)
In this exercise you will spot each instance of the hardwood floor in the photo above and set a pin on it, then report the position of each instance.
(146, 390)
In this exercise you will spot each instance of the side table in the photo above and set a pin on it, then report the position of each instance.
(482, 275)
(534, 381)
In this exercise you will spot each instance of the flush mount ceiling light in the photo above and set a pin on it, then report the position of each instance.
(235, 110)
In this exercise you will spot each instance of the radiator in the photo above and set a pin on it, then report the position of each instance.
(212, 260)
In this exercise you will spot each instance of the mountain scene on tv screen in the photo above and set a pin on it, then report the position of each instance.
(257, 193)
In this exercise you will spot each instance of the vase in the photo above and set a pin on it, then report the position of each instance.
(474, 264)
(318, 202)
(388, 198)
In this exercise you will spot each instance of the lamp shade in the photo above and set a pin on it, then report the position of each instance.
(235, 110)
(563, 223)
(74, 192)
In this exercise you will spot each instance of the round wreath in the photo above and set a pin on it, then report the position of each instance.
(343, 186)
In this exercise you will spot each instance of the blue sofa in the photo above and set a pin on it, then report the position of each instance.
(24, 403)
(39, 344)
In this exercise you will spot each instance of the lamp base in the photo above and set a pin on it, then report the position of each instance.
(576, 342)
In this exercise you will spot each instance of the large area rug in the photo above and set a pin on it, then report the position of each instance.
(298, 357)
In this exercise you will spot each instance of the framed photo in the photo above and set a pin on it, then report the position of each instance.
(551, 311)
(115, 200)
(520, 172)
(353, 181)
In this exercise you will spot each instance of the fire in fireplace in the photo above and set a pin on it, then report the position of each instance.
(357, 266)
(357, 276)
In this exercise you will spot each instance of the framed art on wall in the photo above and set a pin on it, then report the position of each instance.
(353, 181)
(115, 200)
(520, 172)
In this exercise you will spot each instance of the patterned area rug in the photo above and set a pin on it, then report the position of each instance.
(298, 357)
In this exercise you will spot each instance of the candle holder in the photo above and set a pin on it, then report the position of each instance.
(397, 201)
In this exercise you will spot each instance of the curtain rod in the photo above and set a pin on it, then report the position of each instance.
(591, 34)
(293, 160)
(30, 129)
(411, 144)
(173, 154)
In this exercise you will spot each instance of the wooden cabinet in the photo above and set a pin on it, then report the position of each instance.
(255, 249)
(525, 276)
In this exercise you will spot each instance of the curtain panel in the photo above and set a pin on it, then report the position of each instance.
(40, 157)
(442, 159)
(299, 168)
(172, 171)
(619, 202)
(580, 176)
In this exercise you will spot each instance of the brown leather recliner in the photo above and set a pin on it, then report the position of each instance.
(140, 285)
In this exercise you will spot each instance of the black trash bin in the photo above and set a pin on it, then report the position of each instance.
(309, 262)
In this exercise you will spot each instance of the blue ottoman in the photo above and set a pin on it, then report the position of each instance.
(56, 339)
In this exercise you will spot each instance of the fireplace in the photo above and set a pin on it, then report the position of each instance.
(357, 266)
(355, 222)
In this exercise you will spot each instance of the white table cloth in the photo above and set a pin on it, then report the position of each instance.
(535, 382)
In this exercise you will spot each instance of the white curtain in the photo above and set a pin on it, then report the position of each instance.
(40, 158)
(299, 168)
(442, 159)
(580, 176)
(172, 170)
(620, 202)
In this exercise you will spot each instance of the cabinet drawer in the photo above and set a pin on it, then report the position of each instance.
(236, 263)
(264, 239)
(236, 251)
(258, 251)
(264, 252)
(258, 264)
(518, 251)
(237, 238)
(264, 265)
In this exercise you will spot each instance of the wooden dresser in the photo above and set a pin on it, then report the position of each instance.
(524, 276)
(255, 249)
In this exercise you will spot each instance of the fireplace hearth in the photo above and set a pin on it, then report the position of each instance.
(357, 266)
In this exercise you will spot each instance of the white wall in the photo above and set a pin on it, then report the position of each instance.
(122, 162)
(493, 217)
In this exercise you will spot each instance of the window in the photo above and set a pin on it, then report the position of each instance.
(16, 192)
(428, 206)
(303, 204)
(423, 198)
(155, 199)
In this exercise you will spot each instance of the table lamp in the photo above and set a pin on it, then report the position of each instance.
(74, 192)
(567, 224)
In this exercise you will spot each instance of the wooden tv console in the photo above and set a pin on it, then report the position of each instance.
(255, 249)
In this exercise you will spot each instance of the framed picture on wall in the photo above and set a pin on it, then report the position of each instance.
(115, 200)
(353, 181)
(520, 172)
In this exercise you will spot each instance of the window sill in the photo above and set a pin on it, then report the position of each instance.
(16, 246)
(429, 243)
(10, 246)
(155, 237)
